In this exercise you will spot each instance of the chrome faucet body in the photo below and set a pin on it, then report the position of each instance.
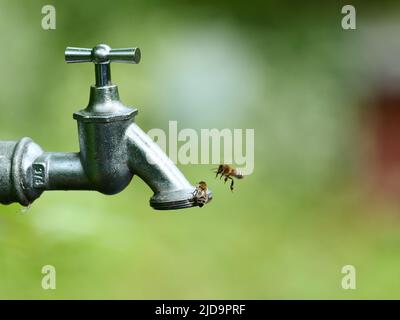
(112, 148)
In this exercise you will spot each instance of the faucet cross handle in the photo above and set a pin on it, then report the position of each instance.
(102, 55)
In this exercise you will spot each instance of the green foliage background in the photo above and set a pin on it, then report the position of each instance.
(286, 69)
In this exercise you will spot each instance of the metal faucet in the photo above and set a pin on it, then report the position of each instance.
(112, 148)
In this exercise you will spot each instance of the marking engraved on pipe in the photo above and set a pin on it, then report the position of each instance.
(39, 178)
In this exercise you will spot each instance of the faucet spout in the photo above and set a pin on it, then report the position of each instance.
(148, 161)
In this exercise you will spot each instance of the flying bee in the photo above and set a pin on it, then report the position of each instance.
(228, 172)
(200, 194)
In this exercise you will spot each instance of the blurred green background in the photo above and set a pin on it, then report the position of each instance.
(286, 69)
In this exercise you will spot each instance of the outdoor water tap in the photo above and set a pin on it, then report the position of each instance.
(112, 148)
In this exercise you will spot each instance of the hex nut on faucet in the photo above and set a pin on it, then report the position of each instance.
(112, 148)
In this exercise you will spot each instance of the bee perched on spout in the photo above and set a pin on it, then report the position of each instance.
(200, 194)
(228, 172)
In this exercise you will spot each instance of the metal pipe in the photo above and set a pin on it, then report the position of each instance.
(61, 171)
